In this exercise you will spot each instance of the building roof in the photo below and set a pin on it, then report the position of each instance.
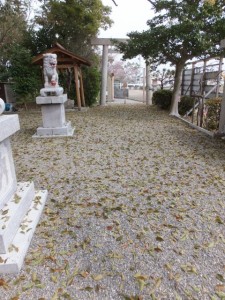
(65, 58)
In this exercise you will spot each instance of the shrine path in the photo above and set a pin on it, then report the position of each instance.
(135, 209)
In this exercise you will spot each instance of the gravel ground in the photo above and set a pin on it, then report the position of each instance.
(135, 209)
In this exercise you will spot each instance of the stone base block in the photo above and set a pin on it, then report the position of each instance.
(51, 99)
(12, 260)
(41, 131)
(69, 104)
(53, 115)
(65, 130)
(82, 109)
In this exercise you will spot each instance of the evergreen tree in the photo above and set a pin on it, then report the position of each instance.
(179, 31)
(72, 23)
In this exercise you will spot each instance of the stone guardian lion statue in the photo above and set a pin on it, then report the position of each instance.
(51, 86)
(50, 73)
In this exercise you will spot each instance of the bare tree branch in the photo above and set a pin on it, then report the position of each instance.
(152, 2)
(114, 2)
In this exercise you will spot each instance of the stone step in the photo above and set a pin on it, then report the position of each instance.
(12, 214)
(12, 260)
(65, 130)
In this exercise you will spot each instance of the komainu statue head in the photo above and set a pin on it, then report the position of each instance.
(49, 70)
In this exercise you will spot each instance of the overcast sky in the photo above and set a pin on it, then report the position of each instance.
(129, 15)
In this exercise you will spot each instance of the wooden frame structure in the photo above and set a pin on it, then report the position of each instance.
(203, 80)
(68, 60)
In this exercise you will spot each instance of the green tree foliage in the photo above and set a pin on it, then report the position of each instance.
(91, 78)
(12, 28)
(25, 76)
(12, 22)
(72, 23)
(39, 40)
(91, 81)
(179, 31)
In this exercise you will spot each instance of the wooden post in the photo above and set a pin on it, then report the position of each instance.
(104, 74)
(82, 90)
(202, 85)
(76, 78)
(192, 79)
(112, 86)
(222, 111)
(219, 75)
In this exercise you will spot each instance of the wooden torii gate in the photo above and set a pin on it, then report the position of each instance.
(67, 60)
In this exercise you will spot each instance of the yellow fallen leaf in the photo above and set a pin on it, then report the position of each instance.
(140, 276)
(55, 296)
(97, 277)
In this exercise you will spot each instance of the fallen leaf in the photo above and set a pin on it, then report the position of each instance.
(3, 283)
(109, 227)
(220, 288)
(98, 277)
(220, 277)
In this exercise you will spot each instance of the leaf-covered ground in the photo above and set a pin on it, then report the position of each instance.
(135, 209)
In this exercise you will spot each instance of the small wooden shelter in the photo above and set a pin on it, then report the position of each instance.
(68, 60)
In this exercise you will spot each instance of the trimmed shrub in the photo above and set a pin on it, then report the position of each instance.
(212, 113)
(162, 98)
(92, 80)
(185, 104)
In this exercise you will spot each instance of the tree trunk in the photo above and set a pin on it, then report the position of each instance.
(176, 90)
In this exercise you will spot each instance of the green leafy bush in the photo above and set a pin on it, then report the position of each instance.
(212, 113)
(185, 104)
(25, 76)
(91, 80)
(91, 84)
(162, 98)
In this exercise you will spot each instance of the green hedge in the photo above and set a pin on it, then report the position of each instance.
(185, 104)
(92, 81)
(162, 98)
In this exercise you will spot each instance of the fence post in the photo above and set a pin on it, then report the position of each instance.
(222, 112)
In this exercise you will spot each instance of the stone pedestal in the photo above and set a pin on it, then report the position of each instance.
(53, 117)
(20, 204)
